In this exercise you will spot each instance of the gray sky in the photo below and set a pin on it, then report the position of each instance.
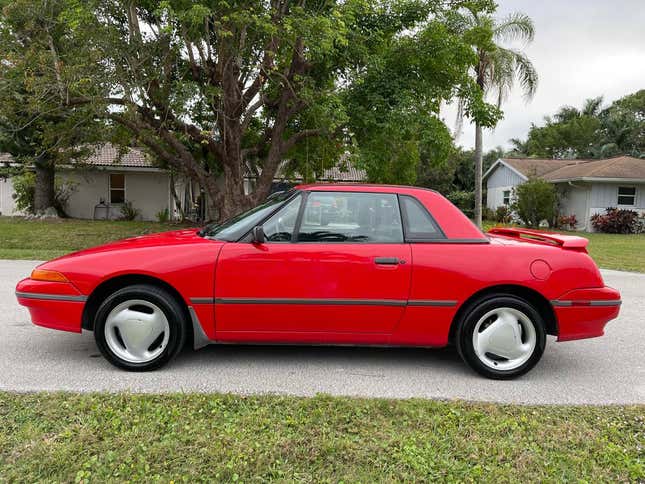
(582, 49)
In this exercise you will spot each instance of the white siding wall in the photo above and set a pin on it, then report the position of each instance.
(574, 200)
(7, 203)
(604, 195)
(148, 192)
(499, 181)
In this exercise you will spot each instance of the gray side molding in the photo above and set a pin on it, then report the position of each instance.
(199, 337)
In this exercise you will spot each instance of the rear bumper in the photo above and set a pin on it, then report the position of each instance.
(56, 305)
(584, 313)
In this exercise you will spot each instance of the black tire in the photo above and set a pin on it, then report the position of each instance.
(157, 296)
(479, 309)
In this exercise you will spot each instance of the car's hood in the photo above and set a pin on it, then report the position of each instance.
(175, 237)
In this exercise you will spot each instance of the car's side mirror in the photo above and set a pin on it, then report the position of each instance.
(257, 235)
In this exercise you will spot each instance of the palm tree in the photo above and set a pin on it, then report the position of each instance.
(497, 70)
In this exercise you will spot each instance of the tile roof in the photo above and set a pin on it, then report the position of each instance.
(552, 170)
(344, 171)
(108, 155)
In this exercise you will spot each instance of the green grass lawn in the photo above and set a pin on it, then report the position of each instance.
(98, 437)
(46, 239)
(613, 251)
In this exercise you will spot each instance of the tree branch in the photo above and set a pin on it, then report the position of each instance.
(293, 141)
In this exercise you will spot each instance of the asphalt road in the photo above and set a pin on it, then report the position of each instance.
(604, 370)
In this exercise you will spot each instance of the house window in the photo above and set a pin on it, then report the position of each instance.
(627, 196)
(117, 188)
(506, 197)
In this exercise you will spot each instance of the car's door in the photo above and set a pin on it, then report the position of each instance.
(334, 263)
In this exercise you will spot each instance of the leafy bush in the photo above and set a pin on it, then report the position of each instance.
(128, 212)
(163, 216)
(24, 186)
(488, 214)
(615, 221)
(568, 221)
(465, 201)
(503, 214)
(535, 201)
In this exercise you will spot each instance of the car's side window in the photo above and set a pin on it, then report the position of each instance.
(351, 217)
(280, 227)
(419, 224)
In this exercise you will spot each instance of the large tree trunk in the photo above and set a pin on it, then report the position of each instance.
(44, 190)
(232, 199)
(479, 153)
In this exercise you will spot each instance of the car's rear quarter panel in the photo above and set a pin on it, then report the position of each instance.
(457, 272)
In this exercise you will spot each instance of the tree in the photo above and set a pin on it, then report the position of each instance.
(217, 89)
(535, 201)
(496, 71)
(394, 104)
(36, 127)
(570, 133)
(591, 132)
(623, 127)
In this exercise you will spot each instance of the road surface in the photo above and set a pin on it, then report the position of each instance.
(604, 370)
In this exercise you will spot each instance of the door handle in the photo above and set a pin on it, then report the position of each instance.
(388, 261)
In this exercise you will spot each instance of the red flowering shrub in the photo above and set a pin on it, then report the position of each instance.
(568, 221)
(615, 221)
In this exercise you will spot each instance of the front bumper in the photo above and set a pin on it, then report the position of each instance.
(584, 313)
(56, 305)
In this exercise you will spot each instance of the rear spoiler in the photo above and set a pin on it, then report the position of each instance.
(565, 241)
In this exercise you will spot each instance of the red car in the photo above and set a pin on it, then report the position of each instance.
(330, 264)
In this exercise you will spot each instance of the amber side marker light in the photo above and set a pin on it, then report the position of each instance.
(49, 276)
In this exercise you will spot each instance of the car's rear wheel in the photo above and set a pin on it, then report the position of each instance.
(140, 328)
(501, 337)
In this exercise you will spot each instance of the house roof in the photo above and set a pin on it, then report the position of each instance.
(344, 172)
(534, 166)
(620, 167)
(108, 155)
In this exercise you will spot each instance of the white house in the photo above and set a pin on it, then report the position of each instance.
(585, 187)
(106, 180)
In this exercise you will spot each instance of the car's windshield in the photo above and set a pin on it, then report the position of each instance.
(236, 227)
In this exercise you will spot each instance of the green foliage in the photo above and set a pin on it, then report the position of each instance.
(24, 186)
(23, 191)
(591, 132)
(393, 105)
(503, 215)
(535, 201)
(128, 211)
(163, 216)
(227, 438)
(41, 55)
(465, 201)
(213, 89)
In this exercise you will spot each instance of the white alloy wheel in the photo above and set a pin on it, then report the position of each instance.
(137, 331)
(504, 338)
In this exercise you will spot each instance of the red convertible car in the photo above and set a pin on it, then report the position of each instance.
(330, 264)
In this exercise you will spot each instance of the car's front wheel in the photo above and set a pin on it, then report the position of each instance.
(501, 337)
(140, 328)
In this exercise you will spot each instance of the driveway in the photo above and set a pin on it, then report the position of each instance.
(604, 370)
